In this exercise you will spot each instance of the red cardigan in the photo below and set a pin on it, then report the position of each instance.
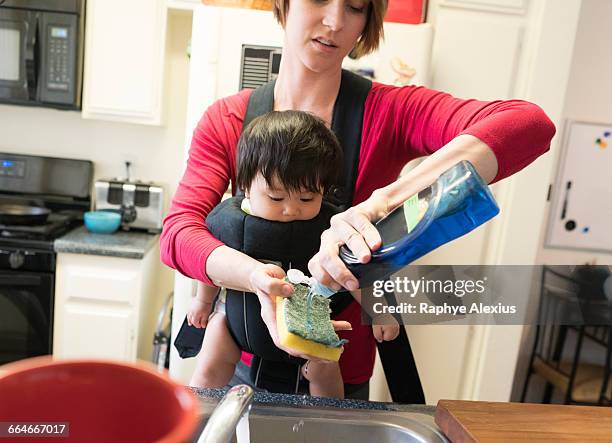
(399, 124)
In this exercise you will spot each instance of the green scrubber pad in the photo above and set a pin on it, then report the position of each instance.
(310, 322)
(305, 328)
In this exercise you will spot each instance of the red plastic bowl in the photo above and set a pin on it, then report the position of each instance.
(101, 401)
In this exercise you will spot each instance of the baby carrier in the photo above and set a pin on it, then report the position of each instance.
(272, 368)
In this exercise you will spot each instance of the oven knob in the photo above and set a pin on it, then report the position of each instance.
(16, 259)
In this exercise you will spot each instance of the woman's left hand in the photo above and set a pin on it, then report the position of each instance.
(267, 282)
(354, 229)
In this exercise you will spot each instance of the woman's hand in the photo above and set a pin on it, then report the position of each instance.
(267, 282)
(354, 229)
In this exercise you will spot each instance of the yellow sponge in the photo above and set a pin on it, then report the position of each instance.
(300, 344)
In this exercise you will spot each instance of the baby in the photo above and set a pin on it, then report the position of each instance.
(286, 162)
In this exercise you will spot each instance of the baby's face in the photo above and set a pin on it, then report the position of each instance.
(276, 204)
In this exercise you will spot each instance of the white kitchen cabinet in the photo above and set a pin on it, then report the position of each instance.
(124, 60)
(106, 307)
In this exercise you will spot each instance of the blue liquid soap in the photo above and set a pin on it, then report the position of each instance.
(455, 204)
(309, 298)
(316, 288)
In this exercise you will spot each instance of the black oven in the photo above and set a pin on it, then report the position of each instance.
(41, 52)
(26, 303)
(41, 199)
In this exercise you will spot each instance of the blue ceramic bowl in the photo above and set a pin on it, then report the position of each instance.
(102, 222)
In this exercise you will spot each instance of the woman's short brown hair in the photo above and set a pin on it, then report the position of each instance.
(372, 34)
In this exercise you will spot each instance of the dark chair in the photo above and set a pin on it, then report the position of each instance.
(605, 393)
(567, 306)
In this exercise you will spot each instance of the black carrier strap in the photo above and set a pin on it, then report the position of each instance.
(347, 121)
(400, 370)
(260, 101)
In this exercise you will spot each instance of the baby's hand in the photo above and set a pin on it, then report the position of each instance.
(387, 331)
(198, 313)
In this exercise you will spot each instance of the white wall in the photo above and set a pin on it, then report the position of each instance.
(156, 152)
(589, 96)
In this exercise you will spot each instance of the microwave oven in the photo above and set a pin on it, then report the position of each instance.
(41, 52)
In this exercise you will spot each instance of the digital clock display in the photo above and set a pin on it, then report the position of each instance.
(59, 32)
(11, 168)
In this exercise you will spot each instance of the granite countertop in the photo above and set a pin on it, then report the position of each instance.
(123, 244)
(292, 400)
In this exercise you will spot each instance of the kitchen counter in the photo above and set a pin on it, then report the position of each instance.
(305, 401)
(125, 244)
(496, 422)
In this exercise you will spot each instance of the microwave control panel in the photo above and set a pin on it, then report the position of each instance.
(59, 41)
(58, 76)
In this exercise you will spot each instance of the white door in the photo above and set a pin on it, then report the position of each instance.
(494, 49)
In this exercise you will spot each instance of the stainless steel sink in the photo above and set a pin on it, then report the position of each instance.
(269, 424)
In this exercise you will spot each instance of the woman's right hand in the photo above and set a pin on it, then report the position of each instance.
(354, 229)
(267, 281)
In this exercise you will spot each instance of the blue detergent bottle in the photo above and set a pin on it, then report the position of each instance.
(455, 204)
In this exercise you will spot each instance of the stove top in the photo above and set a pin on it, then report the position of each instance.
(40, 235)
(63, 186)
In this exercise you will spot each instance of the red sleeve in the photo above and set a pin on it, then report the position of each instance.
(186, 242)
(418, 121)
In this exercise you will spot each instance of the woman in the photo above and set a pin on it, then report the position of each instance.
(399, 124)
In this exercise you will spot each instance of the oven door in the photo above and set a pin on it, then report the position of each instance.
(26, 314)
(18, 55)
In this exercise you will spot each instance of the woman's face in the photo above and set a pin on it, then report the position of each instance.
(322, 32)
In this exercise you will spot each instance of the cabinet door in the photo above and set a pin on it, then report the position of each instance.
(124, 60)
(96, 306)
(98, 331)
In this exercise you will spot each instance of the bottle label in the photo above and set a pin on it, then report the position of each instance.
(414, 210)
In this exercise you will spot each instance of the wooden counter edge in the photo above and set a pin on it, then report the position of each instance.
(449, 425)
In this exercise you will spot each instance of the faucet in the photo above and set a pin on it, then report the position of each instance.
(222, 423)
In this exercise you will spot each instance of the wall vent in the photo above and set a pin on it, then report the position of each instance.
(259, 65)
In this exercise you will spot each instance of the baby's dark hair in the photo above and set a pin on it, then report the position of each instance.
(293, 146)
